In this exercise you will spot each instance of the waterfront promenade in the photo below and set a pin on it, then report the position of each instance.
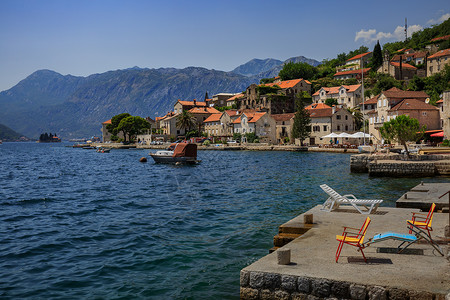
(313, 270)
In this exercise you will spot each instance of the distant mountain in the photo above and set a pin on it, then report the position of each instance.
(274, 71)
(256, 66)
(9, 135)
(76, 106)
(267, 68)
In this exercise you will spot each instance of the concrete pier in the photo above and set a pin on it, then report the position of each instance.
(424, 194)
(314, 274)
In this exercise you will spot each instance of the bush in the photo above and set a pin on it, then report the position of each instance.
(446, 143)
(207, 143)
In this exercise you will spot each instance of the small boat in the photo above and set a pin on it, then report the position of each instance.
(103, 150)
(178, 153)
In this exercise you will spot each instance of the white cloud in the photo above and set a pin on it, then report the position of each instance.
(372, 35)
(443, 18)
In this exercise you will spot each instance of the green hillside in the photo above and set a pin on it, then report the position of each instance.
(9, 135)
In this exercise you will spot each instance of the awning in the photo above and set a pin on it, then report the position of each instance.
(361, 135)
(438, 134)
(331, 135)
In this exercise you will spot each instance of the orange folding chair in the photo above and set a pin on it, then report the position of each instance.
(422, 221)
(354, 238)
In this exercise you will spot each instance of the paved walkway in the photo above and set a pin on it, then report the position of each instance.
(313, 254)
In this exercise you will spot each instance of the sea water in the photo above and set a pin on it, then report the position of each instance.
(76, 224)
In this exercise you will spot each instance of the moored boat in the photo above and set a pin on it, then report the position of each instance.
(103, 150)
(182, 153)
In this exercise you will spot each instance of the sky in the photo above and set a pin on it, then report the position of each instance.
(84, 37)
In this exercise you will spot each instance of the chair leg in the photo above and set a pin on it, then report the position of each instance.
(339, 249)
(362, 252)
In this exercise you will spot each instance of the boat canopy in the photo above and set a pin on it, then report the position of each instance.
(185, 150)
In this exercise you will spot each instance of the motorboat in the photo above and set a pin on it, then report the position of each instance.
(177, 153)
(103, 150)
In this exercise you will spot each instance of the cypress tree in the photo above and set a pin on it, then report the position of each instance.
(377, 58)
(301, 128)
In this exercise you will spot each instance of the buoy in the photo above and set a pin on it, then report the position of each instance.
(143, 159)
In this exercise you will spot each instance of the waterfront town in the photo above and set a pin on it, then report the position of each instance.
(267, 111)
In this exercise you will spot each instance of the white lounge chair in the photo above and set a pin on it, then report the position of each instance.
(335, 200)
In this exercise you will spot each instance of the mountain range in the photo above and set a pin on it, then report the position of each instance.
(74, 106)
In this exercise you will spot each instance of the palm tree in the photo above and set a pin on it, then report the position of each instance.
(357, 117)
(185, 120)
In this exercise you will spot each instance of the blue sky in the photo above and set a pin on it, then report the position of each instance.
(83, 37)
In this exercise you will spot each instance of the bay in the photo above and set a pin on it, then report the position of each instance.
(79, 224)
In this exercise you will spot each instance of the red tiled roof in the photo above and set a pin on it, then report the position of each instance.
(320, 112)
(107, 122)
(286, 83)
(317, 106)
(440, 101)
(335, 89)
(252, 117)
(213, 118)
(404, 65)
(398, 93)
(373, 100)
(256, 117)
(204, 110)
(235, 97)
(191, 103)
(351, 72)
(413, 104)
(445, 37)
(232, 112)
(444, 52)
(283, 117)
(358, 56)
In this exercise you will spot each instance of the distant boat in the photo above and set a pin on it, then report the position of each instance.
(179, 153)
(103, 150)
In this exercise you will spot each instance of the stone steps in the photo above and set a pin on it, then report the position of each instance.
(289, 232)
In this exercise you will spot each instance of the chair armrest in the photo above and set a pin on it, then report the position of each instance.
(352, 232)
(350, 196)
(345, 228)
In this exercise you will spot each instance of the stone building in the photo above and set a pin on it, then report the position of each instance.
(346, 95)
(437, 61)
(398, 70)
(213, 126)
(284, 123)
(325, 120)
(220, 100)
(446, 114)
(260, 123)
(391, 103)
(276, 101)
(187, 105)
(351, 74)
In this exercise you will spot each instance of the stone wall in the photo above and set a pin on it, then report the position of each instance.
(399, 169)
(397, 165)
(260, 285)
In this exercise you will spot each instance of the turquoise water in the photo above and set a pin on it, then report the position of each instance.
(79, 224)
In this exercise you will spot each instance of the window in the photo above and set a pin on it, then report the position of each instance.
(384, 102)
(379, 103)
(424, 113)
(338, 128)
(338, 117)
(346, 127)
(346, 117)
(325, 128)
(371, 120)
(382, 119)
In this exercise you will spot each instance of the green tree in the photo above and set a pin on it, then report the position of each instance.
(293, 70)
(115, 121)
(331, 102)
(377, 57)
(132, 126)
(266, 80)
(301, 128)
(186, 120)
(358, 117)
(402, 129)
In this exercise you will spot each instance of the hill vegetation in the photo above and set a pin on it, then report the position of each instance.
(9, 135)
